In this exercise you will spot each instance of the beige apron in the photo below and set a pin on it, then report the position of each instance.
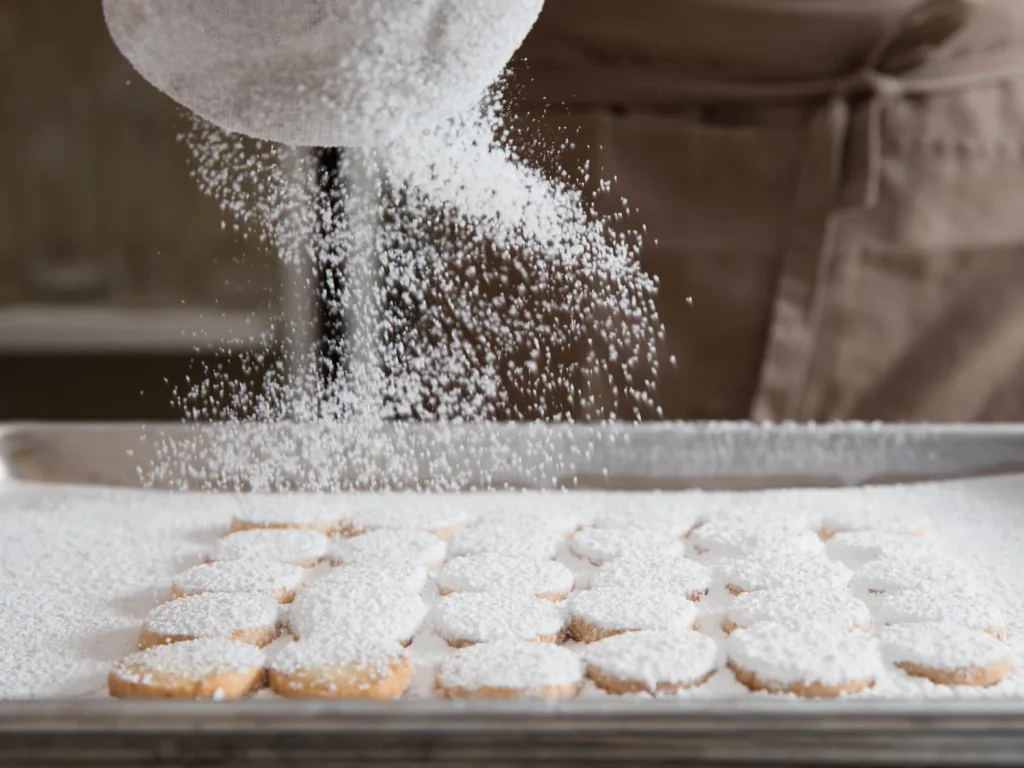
(837, 184)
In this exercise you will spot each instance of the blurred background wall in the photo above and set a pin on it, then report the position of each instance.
(113, 266)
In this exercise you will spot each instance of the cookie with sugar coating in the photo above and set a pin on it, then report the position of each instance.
(300, 547)
(776, 658)
(341, 666)
(595, 614)
(510, 669)
(947, 654)
(275, 580)
(466, 618)
(545, 579)
(211, 668)
(654, 662)
(798, 607)
(247, 618)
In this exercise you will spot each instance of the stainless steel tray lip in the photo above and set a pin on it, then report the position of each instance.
(663, 455)
(693, 427)
(303, 715)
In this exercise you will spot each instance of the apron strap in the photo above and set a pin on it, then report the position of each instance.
(840, 170)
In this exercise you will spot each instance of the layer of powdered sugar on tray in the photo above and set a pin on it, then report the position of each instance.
(79, 572)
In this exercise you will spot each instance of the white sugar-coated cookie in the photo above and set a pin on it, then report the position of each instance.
(381, 578)
(781, 570)
(514, 539)
(265, 577)
(890, 576)
(595, 614)
(498, 573)
(657, 573)
(811, 609)
(958, 608)
(780, 659)
(653, 513)
(210, 668)
(438, 516)
(467, 618)
(947, 654)
(510, 669)
(716, 540)
(329, 608)
(889, 517)
(558, 514)
(317, 513)
(769, 510)
(295, 546)
(651, 662)
(341, 666)
(857, 548)
(394, 545)
(602, 545)
(248, 618)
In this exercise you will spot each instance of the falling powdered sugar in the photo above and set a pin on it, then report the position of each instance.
(472, 288)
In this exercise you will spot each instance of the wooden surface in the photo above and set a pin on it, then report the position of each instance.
(97, 206)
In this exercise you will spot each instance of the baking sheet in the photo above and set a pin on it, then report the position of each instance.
(666, 456)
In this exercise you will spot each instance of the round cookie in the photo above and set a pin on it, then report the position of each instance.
(388, 577)
(887, 517)
(651, 662)
(545, 579)
(780, 570)
(393, 545)
(658, 573)
(400, 511)
(466, 618)
(295, 546)
(506, 538)
(210, 668)
(285, 511)
(602, 545)
(654, 512)
(952, 608)
(890, 576)
(803, 661)
(768, 510)
(558, 514)
(373, 610)
(716, 541)
(276, 580)
(509, 669)
(858, 548)
(947, 654)
(797, 607)
(341, 666)
(247, 618)
(595, 614)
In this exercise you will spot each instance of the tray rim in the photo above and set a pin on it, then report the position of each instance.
(991, 728)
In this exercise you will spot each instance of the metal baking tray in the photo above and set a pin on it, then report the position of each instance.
(750, 731)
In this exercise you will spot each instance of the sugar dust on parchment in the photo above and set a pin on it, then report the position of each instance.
(475, 288)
